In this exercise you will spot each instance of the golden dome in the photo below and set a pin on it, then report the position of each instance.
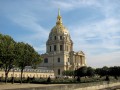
(59, 32)
(59, 28)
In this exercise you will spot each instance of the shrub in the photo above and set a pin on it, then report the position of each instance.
(49, 80)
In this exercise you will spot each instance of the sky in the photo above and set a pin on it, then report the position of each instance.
(94, 25)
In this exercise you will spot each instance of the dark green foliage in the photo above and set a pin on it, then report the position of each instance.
(111, 71)
(81, 72)
(68, 73)
(27, 56)
(7, 53)
(49, 80)
(90, 72)
(114, 71)
(78, 79)
(16, 54)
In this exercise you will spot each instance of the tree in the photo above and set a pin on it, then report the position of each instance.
(36, 60)
(7, 54)
(81, 72)
(115, 71)
(103, 72)
(18, 54)
(90, 71)
(27, 56)
(68, 73)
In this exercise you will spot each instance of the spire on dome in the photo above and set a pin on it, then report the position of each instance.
(58, 11)
(59, 18)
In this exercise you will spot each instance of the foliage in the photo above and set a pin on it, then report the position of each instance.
(90, 72)
(111, 71)
(7, 53)
(68, 73)
(81, 72)
(16, 54)
(114, 71)
(49, 80)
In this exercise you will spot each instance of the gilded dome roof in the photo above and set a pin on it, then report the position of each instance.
(59, 28)
(59, 32)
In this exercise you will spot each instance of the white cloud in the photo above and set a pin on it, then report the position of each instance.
(106, 59)
(104, 30)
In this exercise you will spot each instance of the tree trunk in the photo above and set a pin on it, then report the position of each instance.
(6, 77)
(21, 75)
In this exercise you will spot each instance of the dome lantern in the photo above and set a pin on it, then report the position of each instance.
(59, 18)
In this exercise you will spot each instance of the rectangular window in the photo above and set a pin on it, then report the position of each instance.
(58, 59)
(61, 47)
(50, 48)
(45, 60)
(55, 37)
(54, 47)
(60, 37)
(58, 71)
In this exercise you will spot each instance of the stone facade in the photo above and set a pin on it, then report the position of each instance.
(37, 73)
(59, 54)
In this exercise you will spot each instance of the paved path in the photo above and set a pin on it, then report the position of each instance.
(10, 86)
(4, 86)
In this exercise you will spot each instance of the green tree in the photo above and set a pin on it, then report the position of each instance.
(68, 73)
(115, 71)
(103, 72)
(90, 72)
(7, 53)
(81, 72)
(27, 56)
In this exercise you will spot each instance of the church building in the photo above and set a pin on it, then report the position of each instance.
(59, 54)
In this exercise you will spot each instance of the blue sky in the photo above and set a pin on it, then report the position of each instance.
(94, 25)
